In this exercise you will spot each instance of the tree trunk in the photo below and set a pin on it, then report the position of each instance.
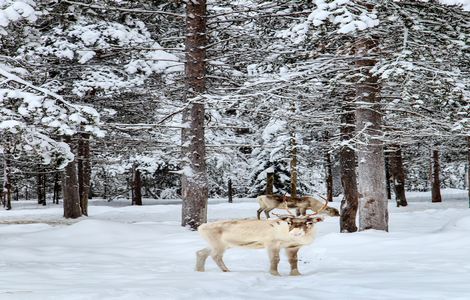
(468, 169)
(329, 177)
(105, 185)
(230, 191)
(70, 191)
(397, 174)
(6, 179)
(44, 187)
(293, 163)
(269, 183)
(194, 185)
(55, 199)
(387, 176)
(347, 160)
(373, 210)
(435, 181)
(84, 170)
(40, 184)
(137, 187)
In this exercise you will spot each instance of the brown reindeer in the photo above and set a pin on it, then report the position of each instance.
(301, 204)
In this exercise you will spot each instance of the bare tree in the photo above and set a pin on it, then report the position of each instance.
(194, 179)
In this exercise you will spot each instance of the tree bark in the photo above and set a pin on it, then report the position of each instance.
(6, 179)
(468, 169)
(269, 183)
(44, 187)
(387, 176)
(373, 210)
(84, 170)
(230, 191)
(435, 181)
(329, 177)
(137, 187)
(40, 185)
(194, 185)
(397, 174)
(71, 194)
(293, 164)
(347, 160)
(55, 199)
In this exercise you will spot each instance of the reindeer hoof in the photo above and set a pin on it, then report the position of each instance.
(275, 273)
(295, 273)
(227, 270)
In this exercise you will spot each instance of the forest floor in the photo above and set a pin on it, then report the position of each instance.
(129, 252)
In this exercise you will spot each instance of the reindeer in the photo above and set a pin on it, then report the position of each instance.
(270, 202)
(288, 232)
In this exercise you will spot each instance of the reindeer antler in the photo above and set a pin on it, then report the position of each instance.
(320, 210)
(284, 200)
(286, 207)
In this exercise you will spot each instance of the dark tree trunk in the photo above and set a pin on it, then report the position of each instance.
(373, 210)
(435, 181)
(230, 191)
(40, 185)
(329, 177)
(137, 187)
(44, 187)
(7, 180)
(194, 185)
(269, 183)
(71, 194)
(84, 170)
(347, 160)
(55, 200)
(387, 176)
(397, 173)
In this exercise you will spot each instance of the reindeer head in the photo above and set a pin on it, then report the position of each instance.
(300, 226)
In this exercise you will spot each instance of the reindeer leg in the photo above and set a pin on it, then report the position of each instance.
(274, 258)
(201, 257)
(217, 255)
(266, 211)
(258, 213)
(292, 256)
(297, 211)
(303, 211)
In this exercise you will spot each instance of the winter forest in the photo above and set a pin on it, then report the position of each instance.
(125, 125)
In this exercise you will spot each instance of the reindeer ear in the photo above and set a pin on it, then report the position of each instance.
(287, 219)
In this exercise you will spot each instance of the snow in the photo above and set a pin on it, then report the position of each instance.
(125, 252)
(12, 11)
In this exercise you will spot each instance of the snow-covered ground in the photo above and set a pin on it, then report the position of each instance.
(124, 252)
